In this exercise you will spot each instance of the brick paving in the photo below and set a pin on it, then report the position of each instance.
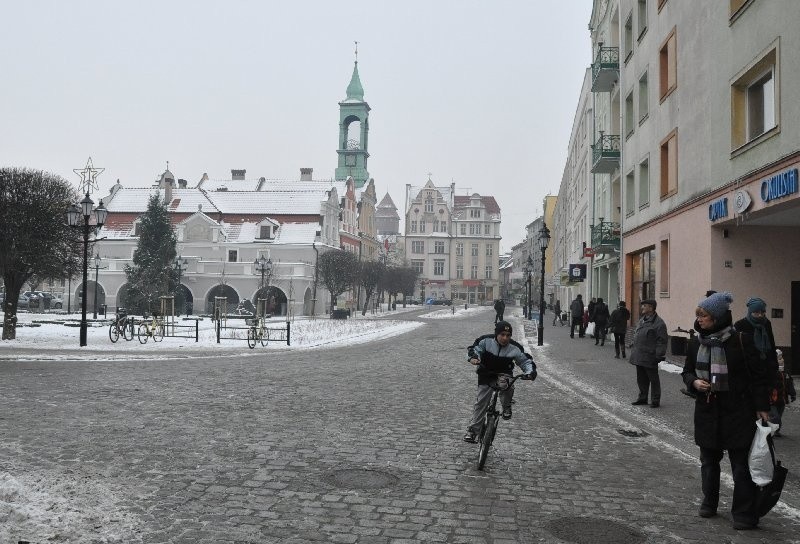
(351, 445)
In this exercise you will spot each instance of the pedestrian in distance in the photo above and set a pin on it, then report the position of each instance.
(723, 368)
(557, 311)
(495, 356)
(576, 310)
(600, 318)
(649, 348)
(756, 325)
(782, 394)
(619, 325)
(589, 312)
(499, 308)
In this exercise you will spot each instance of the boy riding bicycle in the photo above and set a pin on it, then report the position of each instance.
(495, 355)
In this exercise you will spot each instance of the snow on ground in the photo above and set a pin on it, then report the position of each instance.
(454, 311)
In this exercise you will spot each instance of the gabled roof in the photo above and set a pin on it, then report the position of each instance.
(269, 202)
(297, 233)
(135, 200)
(387, 202)
(488, 202)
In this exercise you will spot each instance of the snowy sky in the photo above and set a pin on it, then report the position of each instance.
(480, 93)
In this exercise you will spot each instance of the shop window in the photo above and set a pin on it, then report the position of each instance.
(754, 100)
(668, 65)
(644, 183)
(664, 270)
(669, 164)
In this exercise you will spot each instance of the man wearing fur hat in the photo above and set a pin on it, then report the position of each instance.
(495, 357)
(649, 349)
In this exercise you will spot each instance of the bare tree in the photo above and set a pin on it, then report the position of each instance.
(34, 235)
(370, 274)
(337, 268)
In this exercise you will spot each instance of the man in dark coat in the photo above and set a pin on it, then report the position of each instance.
(576, 311)
(731, 384)
(649, 349)
(600, 317)
(499, 308)
(619, 326)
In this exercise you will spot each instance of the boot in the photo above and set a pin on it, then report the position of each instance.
(623, 353)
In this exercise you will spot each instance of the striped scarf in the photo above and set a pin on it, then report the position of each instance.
(711, 364)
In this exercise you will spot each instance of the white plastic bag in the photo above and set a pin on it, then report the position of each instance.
(760, 459)
(590, 329)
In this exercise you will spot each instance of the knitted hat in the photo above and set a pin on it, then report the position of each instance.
(756, 304)
(717, 305)
(622, 303)
(651, 302)
(502, 326)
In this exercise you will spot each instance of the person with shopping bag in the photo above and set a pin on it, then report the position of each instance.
(732, 386)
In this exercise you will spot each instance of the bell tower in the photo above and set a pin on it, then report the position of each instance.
(353, 132)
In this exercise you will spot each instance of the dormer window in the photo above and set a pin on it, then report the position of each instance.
(265, 232)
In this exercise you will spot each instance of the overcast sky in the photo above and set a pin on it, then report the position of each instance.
(480, 93)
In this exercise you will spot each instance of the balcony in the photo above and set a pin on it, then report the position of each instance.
(605, 70)
(606, 154)
(605, 237)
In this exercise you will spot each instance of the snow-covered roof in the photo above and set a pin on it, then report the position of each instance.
(297, 233)
(269, 202)
(230, 184)
(135, 200)
(241, 233)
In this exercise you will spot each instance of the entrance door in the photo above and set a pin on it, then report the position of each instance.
(795, 324)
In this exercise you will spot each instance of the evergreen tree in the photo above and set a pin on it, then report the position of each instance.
(152, 274)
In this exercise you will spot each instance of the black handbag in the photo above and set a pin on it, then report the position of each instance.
(768, 496)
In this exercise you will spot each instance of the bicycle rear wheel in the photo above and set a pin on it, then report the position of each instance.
(265, 337)
(143, 333)
(158, 332)
(487, 436)
(127, 329)
(251, 338)
(113, 333)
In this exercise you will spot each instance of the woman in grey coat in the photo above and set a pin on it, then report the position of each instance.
(649, 348)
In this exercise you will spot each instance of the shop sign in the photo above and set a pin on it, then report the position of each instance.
(577, 272)
(779, 186)
(718, 209)
(741, 201)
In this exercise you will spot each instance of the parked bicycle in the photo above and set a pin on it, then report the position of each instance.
(154, 328)
(122, 326)
(491, 419)
(257, 333)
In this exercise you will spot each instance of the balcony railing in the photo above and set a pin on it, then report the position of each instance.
(605, 69)
(605, 237)
(606, 154)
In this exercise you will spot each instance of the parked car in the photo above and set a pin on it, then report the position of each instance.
(23, 302)
(57, 302)
(439, 301)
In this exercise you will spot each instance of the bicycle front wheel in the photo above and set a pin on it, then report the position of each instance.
(251, 338)
(143, 333)
(113, 333)
(264, 337)
(158, 333)
(127, 329)
(487, 436)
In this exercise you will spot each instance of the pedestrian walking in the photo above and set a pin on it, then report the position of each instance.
(619, 325)
(756, 325)
(558, 317)
(600, 318)
(782, 394)
(499, 308)
(576, 310)
(589, 313)
(649, 348)
(731, 383)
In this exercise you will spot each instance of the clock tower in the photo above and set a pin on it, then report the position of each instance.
(353, 133)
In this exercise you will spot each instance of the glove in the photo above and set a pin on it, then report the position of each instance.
(529, 376)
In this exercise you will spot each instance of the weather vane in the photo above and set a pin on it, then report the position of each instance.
(356, 52)
(88, 177)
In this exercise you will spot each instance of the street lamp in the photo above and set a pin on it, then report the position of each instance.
(544, 241)
(180, 265)
(74, 214)
(96, 273)
(264, 266)
(528, 271)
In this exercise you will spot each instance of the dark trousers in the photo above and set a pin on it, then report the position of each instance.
(647, 378)
(619, 342)
(599, 333)
(744, 490)
(579, 322)
(498, 317)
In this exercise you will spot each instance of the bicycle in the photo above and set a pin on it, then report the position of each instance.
(490, 421)
(256, 333)
(154, 329)
(122, 326)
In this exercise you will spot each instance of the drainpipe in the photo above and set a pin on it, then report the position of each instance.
(316, 278)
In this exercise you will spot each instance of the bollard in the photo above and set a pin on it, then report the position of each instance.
(196, 330)
(288, 343)
(454, 310)
(217, 327)
(465, 306)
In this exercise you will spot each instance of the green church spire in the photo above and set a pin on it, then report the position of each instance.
(353, 132)
(355, 91)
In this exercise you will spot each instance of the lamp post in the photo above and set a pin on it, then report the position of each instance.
(180, 265)
(74, 214)
(264, 266)
(544, 241)
(97, 268)
(528, 271)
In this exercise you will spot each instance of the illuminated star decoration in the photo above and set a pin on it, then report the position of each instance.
(88, 177)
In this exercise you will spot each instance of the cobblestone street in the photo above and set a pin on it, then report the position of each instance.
(361, 444)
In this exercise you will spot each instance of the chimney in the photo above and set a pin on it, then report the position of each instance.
(305, 174)
(238, 174)
(168, 183)
(182, 184)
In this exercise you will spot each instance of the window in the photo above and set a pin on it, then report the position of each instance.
(668, 65)
(642, 20)
(644, 183)
(628, 37)
(664, 272)
(472, 228)
(265, 232)
(422, 225)
(233, 255)
(438, 267)
(738, 6)
(754, 104)
(644, 100)
(488, 271)
(487, 229)
(473, 272)
(669, 164)
(661, 4)
(438, 247)
(629, 115)
(460, 271)
(429, 205)
(489, 250)
(418, 246)
(414, 225)
(474, 250)
(435, 225)
(630, 194)
(475, 213)
(418, 266)
(463, 229)
(460, 249)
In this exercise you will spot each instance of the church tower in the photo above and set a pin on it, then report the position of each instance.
(353, 133)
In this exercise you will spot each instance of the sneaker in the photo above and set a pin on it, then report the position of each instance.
(470, 437)
(507, 412)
